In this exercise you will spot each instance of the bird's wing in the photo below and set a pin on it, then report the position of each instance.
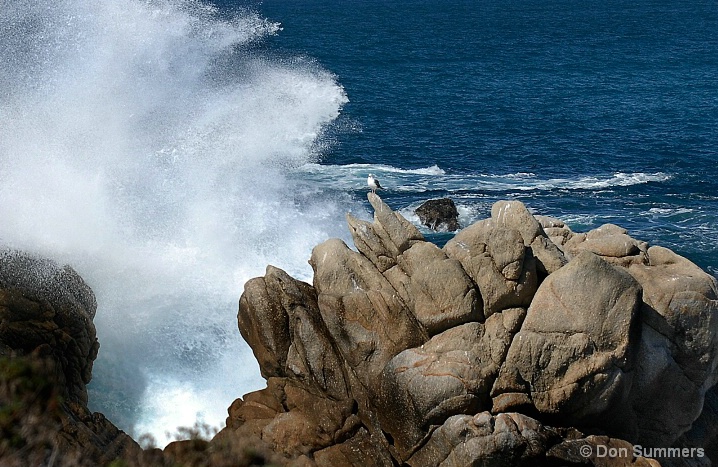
(378, 185)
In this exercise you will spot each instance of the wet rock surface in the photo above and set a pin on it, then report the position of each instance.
(439, 214)
(47, 347)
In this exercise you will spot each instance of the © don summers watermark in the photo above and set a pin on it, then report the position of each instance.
(601, 451)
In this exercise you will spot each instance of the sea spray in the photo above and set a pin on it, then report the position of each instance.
(150, 145)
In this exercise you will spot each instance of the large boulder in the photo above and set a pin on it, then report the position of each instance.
(383, 240)
(364, 315)
(513, 439)
(483, 439)
(435, 288)
(514, 215)
(506, 255)
(48, 308)
(612, 243)
(678, 348)
(282, 320)
(293, 418)
(498, 261)
(451, 374)
(574, 354)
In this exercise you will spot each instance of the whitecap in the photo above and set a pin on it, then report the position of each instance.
(367, 168)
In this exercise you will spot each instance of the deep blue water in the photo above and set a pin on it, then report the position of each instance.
(593, 112)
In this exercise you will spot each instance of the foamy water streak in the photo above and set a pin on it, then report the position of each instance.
(142, 142)
(434, 178)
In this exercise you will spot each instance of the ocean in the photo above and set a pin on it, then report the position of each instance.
(592, 112)
(170, 149)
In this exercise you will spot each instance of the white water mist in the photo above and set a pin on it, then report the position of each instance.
(147, 143)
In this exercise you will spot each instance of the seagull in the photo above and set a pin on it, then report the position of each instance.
(373, 183)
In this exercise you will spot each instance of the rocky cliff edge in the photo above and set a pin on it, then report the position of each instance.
(520, 342)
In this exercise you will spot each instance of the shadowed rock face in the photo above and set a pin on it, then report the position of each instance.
(48, 309)
(47, 347)
(517, 343)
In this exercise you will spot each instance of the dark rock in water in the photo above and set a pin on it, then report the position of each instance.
(439, 214)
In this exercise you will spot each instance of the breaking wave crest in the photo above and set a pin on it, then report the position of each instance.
(149, 144)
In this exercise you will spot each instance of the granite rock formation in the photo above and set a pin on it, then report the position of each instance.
(520, 342)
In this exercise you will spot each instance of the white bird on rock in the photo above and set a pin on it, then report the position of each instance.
(373, 183)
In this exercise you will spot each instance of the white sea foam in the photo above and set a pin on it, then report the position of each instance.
(140, 144)
(351, 176)
(355, 169)
(617, 179)
(671, 210)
